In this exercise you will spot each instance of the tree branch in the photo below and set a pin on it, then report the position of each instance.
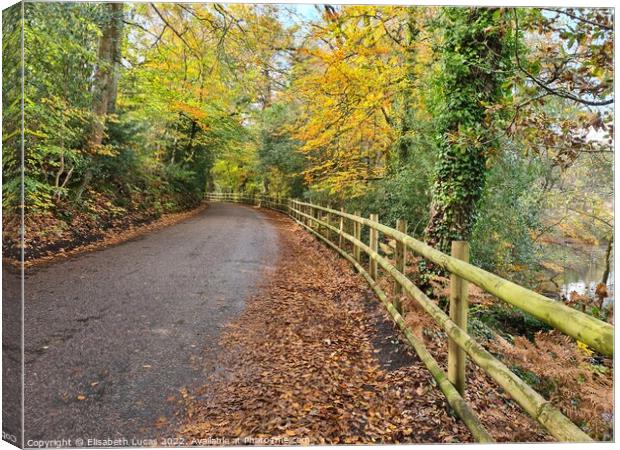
(550, 90)
(584, 213)
(581, 19)
(179, 35)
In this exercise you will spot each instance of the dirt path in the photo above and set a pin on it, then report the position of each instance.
(313, 359)
(111, 336)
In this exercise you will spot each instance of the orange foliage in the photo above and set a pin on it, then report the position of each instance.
(567, 378)
(353, 73)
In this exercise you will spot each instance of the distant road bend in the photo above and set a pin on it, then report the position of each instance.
(112, 335)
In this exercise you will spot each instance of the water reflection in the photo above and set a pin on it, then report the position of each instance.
(583, 271)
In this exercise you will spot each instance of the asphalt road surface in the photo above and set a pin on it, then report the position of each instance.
(113, 335)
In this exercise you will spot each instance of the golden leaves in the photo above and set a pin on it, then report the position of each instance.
(348, 89)
(194, 112)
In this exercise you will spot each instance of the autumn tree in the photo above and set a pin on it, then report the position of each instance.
(563, 61)
(350, 75)
(406, 112)
(408, 108)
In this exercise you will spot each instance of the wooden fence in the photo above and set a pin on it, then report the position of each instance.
(343, 233)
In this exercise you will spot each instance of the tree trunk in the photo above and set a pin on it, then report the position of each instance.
(105, 84)
(192, 135)
(106, 73)
(408, 112)
(610, 246)
(267, 93)
(474, 59)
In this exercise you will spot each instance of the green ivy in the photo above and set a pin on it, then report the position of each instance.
(470, 81)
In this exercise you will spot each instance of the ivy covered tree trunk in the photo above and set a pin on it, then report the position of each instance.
(474, 64)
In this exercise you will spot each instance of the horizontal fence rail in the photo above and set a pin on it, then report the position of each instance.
(327, 224)
(593, 332)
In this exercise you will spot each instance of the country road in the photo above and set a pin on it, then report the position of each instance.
(113, 335)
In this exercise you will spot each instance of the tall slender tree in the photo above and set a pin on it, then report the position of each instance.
(412, 31)
(105, 84)
(106, 73)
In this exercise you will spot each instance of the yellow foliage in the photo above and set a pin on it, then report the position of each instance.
(193, 112)
(349, 87)
(584, 348)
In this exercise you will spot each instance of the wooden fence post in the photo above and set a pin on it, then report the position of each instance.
(316, 214)
(341, 228)
(400, 256)
(328, 219)
(331, 233)
(458, 313)
(357, 233)
(374, 246)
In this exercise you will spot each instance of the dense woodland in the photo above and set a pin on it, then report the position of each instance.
(489, 125)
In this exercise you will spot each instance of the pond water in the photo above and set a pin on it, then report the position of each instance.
(583, 270)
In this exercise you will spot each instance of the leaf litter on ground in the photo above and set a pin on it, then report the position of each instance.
(313, 359)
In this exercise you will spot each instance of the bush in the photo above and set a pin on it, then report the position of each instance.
(509, 212)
